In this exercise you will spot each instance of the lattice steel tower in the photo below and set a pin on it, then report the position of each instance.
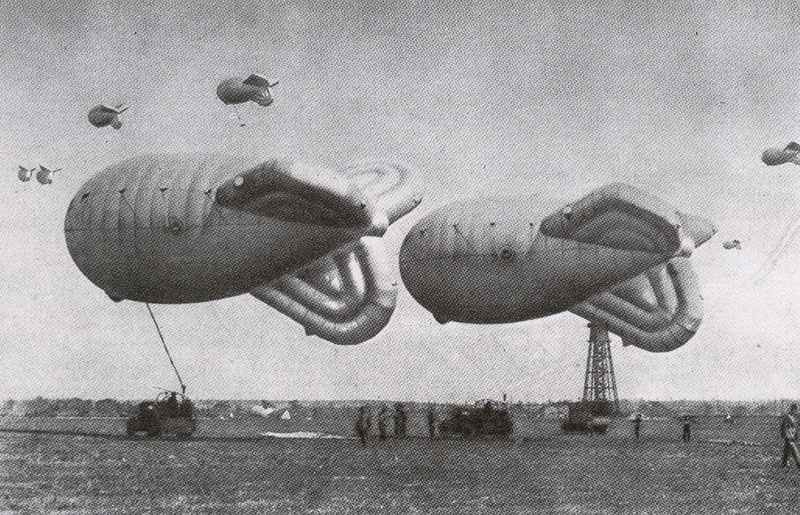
(600, 383)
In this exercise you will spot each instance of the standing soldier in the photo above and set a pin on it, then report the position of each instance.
(367, 422)
(382, 423)
(432, 422)
(399, 420)
(789, 435)
(364, 424)
(637, 425)
(360, 426)
(687, 428)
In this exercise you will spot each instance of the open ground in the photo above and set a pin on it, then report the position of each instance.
(229, 466)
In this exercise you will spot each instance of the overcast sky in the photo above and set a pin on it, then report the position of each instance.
(676, 98)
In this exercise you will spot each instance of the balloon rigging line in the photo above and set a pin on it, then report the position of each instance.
(166, 349)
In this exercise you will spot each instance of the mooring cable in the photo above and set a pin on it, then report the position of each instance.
(166, 349)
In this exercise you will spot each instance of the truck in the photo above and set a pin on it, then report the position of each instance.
(587, 417)
(170, 413)
(486, 418)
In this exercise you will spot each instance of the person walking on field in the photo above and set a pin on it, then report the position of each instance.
(432, 422)
(367, 422)
(637, 425)
(789, 434)
(382, 423)
(400, 420)
(686, 422)
(362, 425)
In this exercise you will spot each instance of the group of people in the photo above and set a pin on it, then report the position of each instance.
(788, 433)
(363, 425)
(364, 422)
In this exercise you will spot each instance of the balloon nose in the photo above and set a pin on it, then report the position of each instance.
(699, 229)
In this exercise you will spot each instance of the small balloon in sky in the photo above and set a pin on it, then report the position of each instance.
(777, 156)
(255, 88)
(103, 115)
(732, 244)
(25, 174)
(45, 175)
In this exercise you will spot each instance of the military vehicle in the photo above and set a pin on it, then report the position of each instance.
(170, 413)
(485, 418)
(587, 417)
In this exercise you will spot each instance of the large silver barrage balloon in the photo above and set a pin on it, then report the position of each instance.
(617, 256)
(192, 228)
(103, 115)
(255, 88)
(778, 156)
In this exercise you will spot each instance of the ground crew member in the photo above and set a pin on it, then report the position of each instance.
(400, 420)
(789, 435)
(382, 423)
(637, 425)
(361, 429)
(432, 422)
(367, 422)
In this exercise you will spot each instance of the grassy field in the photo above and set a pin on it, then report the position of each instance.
(228, 467)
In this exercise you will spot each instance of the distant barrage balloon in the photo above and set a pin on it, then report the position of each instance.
(25, 174)
(103, 115)
(732, 244)
(254, 88)
(777, 156)
(45, 175)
